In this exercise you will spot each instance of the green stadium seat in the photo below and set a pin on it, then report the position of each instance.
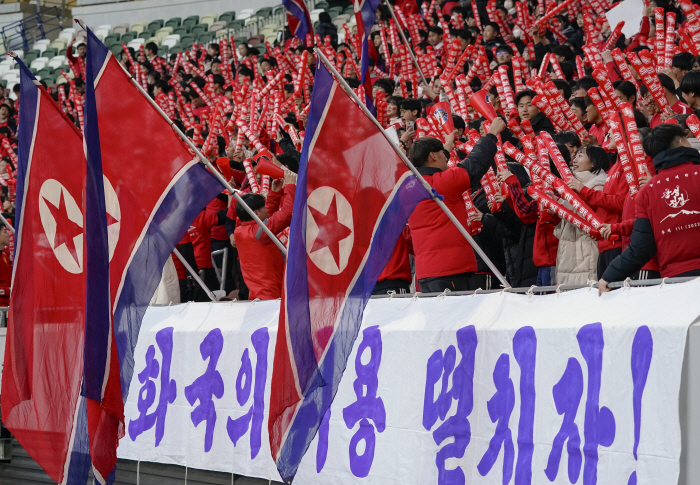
(236, 24)
(29, 57)
(181, 31)
(349, 11)
(116, 49)
(174, 23)
(261, 49)
(62, 52)
(177, 48)
(145, 35)
(190, 22)
(199, 29)
(323, 5)
(187, 40)
(126, 38)
(50, 52)
(34, 70)
(112, 37)
(264, 13)
(278, 9)
(335, 11)
(158, 24)
(193, 17)
(225, 17)
(205, 38)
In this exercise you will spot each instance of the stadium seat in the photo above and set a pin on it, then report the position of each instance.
(29, 57)
(245, 14)
(264, 12)
(279, 9)
(171, 40)
(340, 20)
(205, 38)
(112, 39)
(271, 38)
(335, 11)
(158, 24)
(145, 35)
(41, 45)
(193, 17)
(165, 30)
(322, 4)
(39, 62)
(138, 27)
(181, 31)
(190, 22)
(67, 34)
(116, 49)
(349, 11)
(218, 25)
(136, 43)
(236, 24)
(121, 29)
(221, 33)
(126, 38)
(177, 48)
(59, 43)
(199, 29)
(226, 17)
(251, 20)
(155, 40)
(187, 40)
(56, 61)
(50, 52)
(208, 19)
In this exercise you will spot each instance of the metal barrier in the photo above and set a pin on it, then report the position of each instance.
(220, 273)
(23, 33)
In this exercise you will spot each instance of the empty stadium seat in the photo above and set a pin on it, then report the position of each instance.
(279, 9)
(171, 40)
(174, 22)
(208, 19)
(181, 31)
(190, 22)
(101, 32)
(245, 14)
(121, 29)
(139, 27)
(264, 12)
(57, 61)
(50, 52)
(116, 49)
(193, 17)
(41, 45)
(39, 62)
(136, 43)
(155, 40)
(218, 25)
(157, 24)
(126, 38)
(199, 29)
(165, 30)
(236, 24)
(227, 17)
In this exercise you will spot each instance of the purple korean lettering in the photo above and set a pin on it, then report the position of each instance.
(253, 419)
(525, 353)
(147, 393)
(500, 407)
(567, 397)
(599, 423)
(642, 352)
(207, 386)
(368, 407)
(439, 369)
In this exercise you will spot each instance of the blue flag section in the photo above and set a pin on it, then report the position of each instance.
(365, 16)
(354, 196)
(151, 189)
(299, 19)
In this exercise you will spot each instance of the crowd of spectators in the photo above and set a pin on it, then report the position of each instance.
(587, 172)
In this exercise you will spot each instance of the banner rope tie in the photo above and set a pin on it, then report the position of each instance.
(558, 290)
(391, 293)
(415, 298)
(444, 294)
(663, 281)
(626, 283)
(531, 292)
(475, 291)
(590, 285)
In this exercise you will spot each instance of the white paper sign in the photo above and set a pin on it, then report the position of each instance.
(567, 388)
(631, 12)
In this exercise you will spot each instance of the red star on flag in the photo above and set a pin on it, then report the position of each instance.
(330, 230)
(66, 229)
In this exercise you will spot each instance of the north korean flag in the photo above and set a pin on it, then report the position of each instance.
(41, 379)
(354, 196)
(152, 188)
(298, 18)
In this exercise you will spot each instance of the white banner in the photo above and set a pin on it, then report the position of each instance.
(490, 389)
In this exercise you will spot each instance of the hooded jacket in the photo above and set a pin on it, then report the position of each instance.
(667, 218)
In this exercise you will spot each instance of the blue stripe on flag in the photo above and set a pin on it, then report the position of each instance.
(317, 401)
(80, 463)
(97, 308)
(29, 93)
(297, 301)
(186, 198)
(303, 28)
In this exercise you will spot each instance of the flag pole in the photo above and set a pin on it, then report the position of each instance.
(7, 224)
(194, 275)
(410, 166)
(201, 157)
(408, 46)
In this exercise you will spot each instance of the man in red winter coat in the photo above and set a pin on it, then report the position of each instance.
(262, 263)
(667, 209)
(444, 258)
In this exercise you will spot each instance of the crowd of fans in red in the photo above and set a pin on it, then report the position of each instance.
(588, 172)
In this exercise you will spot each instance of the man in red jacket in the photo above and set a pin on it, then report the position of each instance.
(667, 209)
(262, 263)
(444, 258)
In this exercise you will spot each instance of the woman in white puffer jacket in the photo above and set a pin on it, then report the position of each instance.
(577, 256)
